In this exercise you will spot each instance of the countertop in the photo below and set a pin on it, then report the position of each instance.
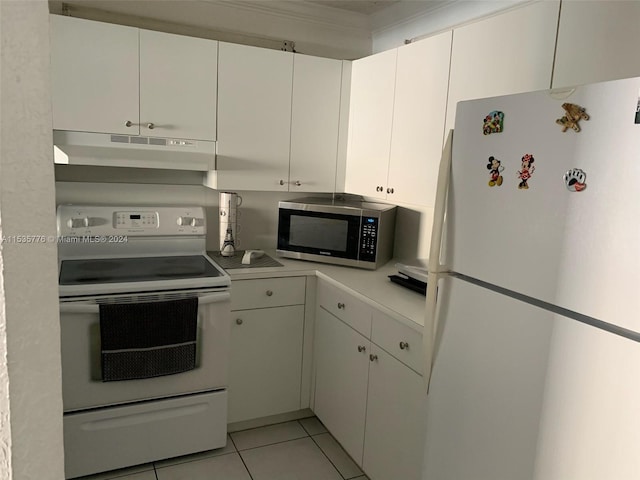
(370, 286)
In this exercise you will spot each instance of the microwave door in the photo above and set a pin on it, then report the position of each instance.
(319, 233)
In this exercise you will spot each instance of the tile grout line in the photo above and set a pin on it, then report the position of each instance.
(326, 456)
(241, 459)
(323, 452)
(274, 443)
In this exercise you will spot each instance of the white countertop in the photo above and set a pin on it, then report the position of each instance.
(370, 286)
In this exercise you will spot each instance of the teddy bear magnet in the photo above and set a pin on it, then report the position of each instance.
(571, 119)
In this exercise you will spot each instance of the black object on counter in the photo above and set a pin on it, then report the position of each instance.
(410, 283)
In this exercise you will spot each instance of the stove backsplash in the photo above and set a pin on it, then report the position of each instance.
(258, 218)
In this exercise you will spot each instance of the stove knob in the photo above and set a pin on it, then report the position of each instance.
(78, 222)
(197, 222)
(185, 221)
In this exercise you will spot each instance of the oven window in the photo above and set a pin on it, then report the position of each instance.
(317, 232)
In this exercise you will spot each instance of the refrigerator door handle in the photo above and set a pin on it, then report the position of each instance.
(435, 268)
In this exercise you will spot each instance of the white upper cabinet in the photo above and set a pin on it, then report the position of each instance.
(254, 118)
(370, 120)
(419, 109)
(398, 107)
(94, 76)
(597, 41)
(315, 123)
(114, 79)
(504, 54)
(178, 77)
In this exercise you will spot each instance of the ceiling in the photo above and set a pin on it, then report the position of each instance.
(366, 7)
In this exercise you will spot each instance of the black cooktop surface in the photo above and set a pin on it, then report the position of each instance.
(139, 269)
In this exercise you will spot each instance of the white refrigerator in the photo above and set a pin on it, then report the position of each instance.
(536, 360)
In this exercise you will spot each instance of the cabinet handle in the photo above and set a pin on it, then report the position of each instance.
(373, 358)
(389, 190)
(379, 189)
(362, 348)
(269, 293)
(239, 321)
(150, 126)
(340, 306)
(297, 183)
(129, 123)
(404, 346)
(281, 182)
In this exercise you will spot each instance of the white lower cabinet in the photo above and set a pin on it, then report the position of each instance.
(266, 347)
(369, 400)
(342, 369)
(396, 419)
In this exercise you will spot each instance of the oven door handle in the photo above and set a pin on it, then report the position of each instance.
(207, 299)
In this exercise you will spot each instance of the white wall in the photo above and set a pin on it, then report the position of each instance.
(31, 418)
(392, 26)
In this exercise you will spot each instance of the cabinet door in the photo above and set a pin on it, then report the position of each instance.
(597, 41)
(266, 362)
(419, 111)
(396, 418)
(254, 118)
(342, 366)
(94, 76)
(178, 83)
(504, 54)
(370, 119)
(314, 123)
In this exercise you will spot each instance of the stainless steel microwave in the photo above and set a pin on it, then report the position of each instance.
(344, 232)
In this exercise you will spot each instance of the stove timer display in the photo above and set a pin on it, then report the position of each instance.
(145, 220)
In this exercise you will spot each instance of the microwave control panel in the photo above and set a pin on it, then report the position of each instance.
(368, 239)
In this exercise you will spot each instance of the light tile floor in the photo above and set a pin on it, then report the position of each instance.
(297, 450)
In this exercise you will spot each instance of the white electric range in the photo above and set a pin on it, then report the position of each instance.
(122, 255)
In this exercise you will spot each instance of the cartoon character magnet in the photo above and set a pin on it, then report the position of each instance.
(575, 180)
(493, 123)
(495, 169)
(574, 113)
(526, 170)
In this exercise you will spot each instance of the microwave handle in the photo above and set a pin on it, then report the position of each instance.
(71, 307)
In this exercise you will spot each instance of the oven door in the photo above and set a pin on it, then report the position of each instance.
(82, 385)
(319, 233)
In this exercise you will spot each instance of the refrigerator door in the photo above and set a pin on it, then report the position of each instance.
(486, 394)
(590, 425)
(577, 250)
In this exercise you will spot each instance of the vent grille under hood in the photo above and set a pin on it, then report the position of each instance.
(106, 150)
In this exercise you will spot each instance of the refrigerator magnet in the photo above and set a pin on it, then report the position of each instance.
(493, 123)
(495, 169)
(571, 119)
(575, 180)
(526, 170)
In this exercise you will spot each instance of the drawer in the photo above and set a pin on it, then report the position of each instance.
(117, 437)
(402, 342)
(267, 292)
(354, 312)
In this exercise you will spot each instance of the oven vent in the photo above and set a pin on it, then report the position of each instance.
(147, 298)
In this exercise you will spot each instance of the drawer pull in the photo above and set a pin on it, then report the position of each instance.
(404, 346)
(362, 348)
(373, 358)
(239, 321)
(340, 306)
(269, 293)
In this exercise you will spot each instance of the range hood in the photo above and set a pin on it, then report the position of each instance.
(109, 150)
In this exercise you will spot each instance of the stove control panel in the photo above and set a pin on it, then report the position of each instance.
(80, 221)
(144, 220)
